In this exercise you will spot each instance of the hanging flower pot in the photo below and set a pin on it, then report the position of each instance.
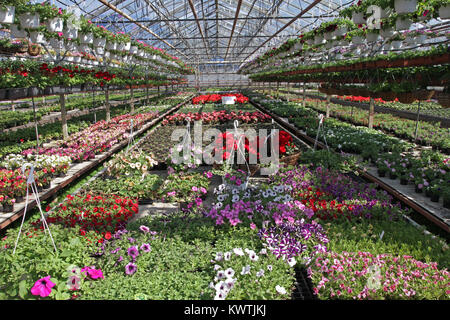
(405, 6)
(86, 38)
(120, 47)
(134, 50)
(29, 21)
(372, 36)
(339, 32)
(444, 12)
(71, 33)
(403, 24)
(328, 35)
(37, 37)
(396, 45)
(111, 46)
(34, 49)
(7, 14)
(77, 59)
(56, 43)
(100, 50)
(99, 42)
(55, 25)
(127, 46)
(387, 33)
(357, 40)
(358, 18)
(318, 39)
(16, 33)
(70, 58)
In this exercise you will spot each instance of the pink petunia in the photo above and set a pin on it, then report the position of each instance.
(42, 287)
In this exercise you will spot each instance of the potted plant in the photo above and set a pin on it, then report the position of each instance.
(397, 41)
(404, 179)
(403, 22)
(435, 191)
(86, 32)
(100, 36)
(8, 203)
(28, 16)
(445, 192)
(405, 6)
(8, 9)
(443, 8)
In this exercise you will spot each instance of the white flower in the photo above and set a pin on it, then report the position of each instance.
(230, 283)
(217, 267)
(235, 191)
(211, 285)
(238, 251)
(265, 194)
(260, 273)
(219, 256)
(280, 289)
(263, 251)
(245, 270)
(220, 274)
(229, 273)
(222, 197)
(218, 205)
(220, 296)
(221, 287)
(235, 198)
(292, 262)
(248, 251)
(253, 256)
(269, 267)
(227, 256)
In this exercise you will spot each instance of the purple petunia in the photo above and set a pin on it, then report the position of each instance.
(146, 247)
(130, 268)
(133, 252)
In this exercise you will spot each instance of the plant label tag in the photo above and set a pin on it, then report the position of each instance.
(381, 235)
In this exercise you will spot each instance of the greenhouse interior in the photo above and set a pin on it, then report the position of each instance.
(224, 150)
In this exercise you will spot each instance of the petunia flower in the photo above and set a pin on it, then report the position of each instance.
(42, 287)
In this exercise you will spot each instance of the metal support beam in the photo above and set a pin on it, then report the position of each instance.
(194, 12)
(238, 9)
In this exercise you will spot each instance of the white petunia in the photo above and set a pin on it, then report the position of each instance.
(220, 274)
(260, 273)
(238, 251)
(219, 256)
(217, 267)
(280, 289)
(218, 205)
(227, 256)
(263, 251)
(245, 270)
(222, 197)
(229, 273)
(292, 262)
(235, 198)
(253, 256)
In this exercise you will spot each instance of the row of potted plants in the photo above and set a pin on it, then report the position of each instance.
(43, 21)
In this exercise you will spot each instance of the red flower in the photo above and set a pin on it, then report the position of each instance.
(108, 235)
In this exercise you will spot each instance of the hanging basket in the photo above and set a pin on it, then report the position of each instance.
(291, 160)
(406, 97)
(254, 168)
(34, 49)
(424, 95)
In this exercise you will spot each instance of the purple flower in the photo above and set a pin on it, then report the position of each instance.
(130, 268)
(133, 252)
(146, 247)
(144, 229)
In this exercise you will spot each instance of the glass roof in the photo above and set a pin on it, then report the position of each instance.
(209, 32)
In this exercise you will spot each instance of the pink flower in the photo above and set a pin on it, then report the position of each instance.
(42, 287)
(95, 273)
(252, 226)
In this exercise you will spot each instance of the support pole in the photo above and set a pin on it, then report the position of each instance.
(328, 105)
(304, 95)
(35, 126)
(417, 122)
(62, 102)
(108, 108)
(131, 100)
(147, 101)
(371, 112)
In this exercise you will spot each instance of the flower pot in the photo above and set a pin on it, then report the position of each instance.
(402, 24)
(328, 35)
(3, 93)
(134, 50)
(17, 93)
(447, 203)
(55, 25)
(56, 43)
(420, 39)
(444, 12)
(46, 186)
(99, 42)
(381, 173)
(8, 208)
(405, 6)
(7, 15)
(37, 37)
(395, 45)
(16, 33)
(428, 193)
(19, 199)
(418, 190)
(424, 95)
(111, 46)
(339, 32)
(357, 40)
(372, 37)
(86, 38)
(29, 21)
(71, 33)
(434, 198)
(387, 33)
(358, 18)
(34, 92)
(127, 46)
(403, 181)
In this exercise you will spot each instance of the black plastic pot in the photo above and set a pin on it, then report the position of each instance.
(392, 176)
(8, 208)
(34, 92)
(418, 190)
(447, 203)
(404, 182)
(3, 93)
(46, 186)
(381, 173)
(19, 199)
(428, 193)
(17, 93)
(145, 201)
(435, 198)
